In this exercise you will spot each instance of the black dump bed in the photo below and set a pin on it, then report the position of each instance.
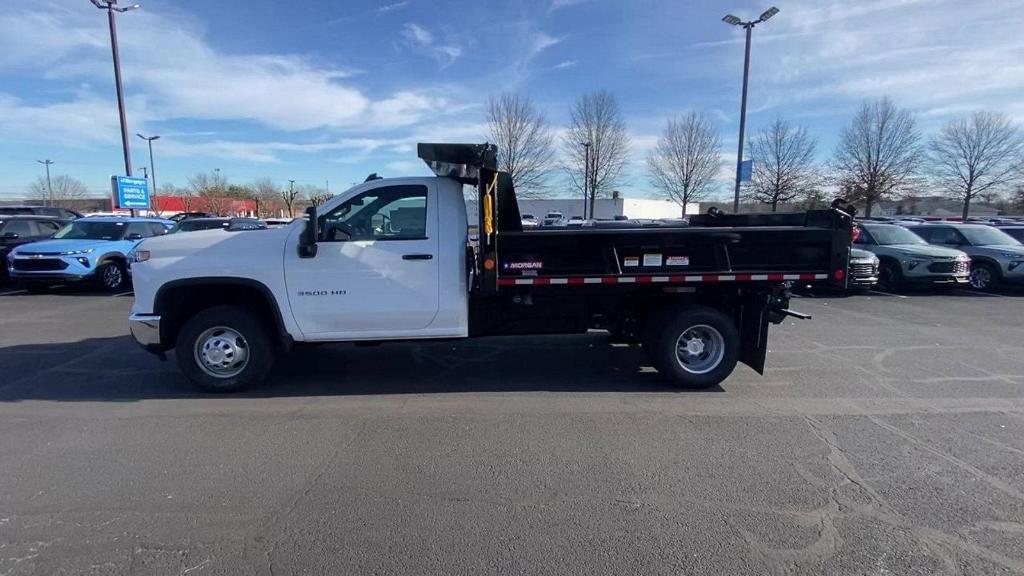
(770, 248)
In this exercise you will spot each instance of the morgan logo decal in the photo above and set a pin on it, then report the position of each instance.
(524, 265)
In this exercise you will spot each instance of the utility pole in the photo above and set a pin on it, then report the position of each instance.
(111, 7)
(291, 198)
(49, 185)
(749, 27)
(152, 171)
(586, 178)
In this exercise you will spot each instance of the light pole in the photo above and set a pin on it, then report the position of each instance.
(748, 26)
(152, 171)
(111, 7)
(49, 186)
(586, 177)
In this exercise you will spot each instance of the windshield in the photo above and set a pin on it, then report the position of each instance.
(86, 230)
(983, 236)
(194, 225)
(889, 235)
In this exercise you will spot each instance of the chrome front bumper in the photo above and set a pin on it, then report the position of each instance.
(145, 328)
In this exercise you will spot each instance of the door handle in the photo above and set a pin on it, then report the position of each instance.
(417, 257)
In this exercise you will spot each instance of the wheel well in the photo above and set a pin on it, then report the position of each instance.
(111, 258)
(990, 262)
(175, 303)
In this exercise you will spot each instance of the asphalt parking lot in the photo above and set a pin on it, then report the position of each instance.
(887, 437)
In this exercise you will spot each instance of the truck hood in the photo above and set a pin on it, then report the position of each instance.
(220, 246)
(58, 246)
(923, 250)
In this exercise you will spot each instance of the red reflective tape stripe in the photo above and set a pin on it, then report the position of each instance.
(575, 281)
(541, 281)
(677, 278)
(776, 277)
(609, 280)
(709, 278)
(644, 279)
(743, 277)
(807, 276)
(506, 281)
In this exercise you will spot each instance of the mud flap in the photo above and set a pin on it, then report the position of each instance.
(753, 322)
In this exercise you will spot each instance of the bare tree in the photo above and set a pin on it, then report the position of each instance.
(267, 196)
(64, 188)
(524, 139)
(976, 156)
(783, 159)
(289, 195)
(595, 119)
(686, 160)
(878, 153)
(211, 190)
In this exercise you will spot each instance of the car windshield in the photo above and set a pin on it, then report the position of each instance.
(985, 236)
(91, 230)
(194, 225)
(889, 235)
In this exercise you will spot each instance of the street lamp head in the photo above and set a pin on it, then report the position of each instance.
(730, 19)
(768, 14)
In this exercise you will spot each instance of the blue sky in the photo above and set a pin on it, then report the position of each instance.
(316, 90)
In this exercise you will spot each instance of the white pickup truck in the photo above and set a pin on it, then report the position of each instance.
(391, 259)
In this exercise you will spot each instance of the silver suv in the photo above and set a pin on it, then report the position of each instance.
(907, 259)
(996, 257)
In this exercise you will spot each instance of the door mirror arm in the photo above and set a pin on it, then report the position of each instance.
(309, 235)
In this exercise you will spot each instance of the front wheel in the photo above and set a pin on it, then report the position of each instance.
(697, 347)
(890, 277)
(224, 349)
(112, 276)
(983, 276)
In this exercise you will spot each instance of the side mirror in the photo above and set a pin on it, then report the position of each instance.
(11, 236)
(134, 236)
(309, 235)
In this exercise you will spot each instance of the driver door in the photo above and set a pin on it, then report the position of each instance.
(375, 274)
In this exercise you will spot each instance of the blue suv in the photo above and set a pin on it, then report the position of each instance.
(86, 250)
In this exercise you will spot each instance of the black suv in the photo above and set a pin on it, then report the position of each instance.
(18, 229)
(52, 211)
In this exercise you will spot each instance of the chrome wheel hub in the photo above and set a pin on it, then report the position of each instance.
(221, 352)
(700, 349)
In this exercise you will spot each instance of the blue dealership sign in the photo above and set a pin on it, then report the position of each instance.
(130, 193)
(746, 170)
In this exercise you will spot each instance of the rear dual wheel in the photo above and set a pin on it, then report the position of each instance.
(695, 347)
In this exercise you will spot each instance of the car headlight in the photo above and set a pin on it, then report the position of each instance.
(963, 258)
(76, 252)
(1009, 255)
(1013, 265)
(911, 264)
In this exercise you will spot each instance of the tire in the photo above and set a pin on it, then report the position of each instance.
(890, 277)
(111, 276)
(984, 276)
(210, 344)
(693, 366)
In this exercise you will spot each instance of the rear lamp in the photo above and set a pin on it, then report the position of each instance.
(839, 274)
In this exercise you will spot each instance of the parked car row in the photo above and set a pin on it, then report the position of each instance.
(942, 253)
(40, 251)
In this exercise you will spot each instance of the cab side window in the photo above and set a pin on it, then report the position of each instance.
(387, 213)
(23, 228)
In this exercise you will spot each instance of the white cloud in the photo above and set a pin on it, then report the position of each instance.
(423, 39)
(557, 4)
(171, 68)
(565, 64)
(541, 42)
(392, 7)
